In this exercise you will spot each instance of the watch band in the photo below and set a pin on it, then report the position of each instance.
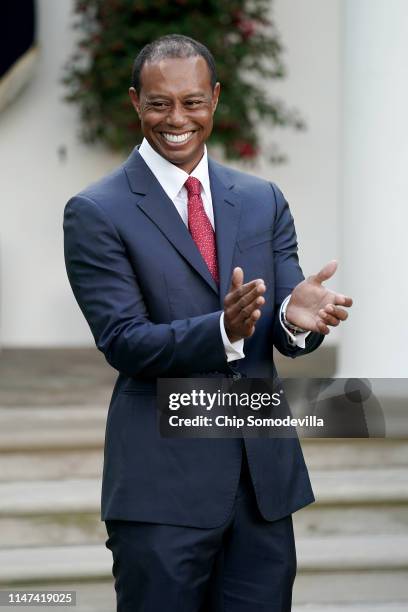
(292, 328)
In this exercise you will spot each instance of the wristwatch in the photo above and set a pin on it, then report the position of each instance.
(294, 329)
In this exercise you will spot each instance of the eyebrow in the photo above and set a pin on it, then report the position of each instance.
(156, 96)
(194, 94)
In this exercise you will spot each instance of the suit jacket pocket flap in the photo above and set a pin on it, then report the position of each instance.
(139, 387)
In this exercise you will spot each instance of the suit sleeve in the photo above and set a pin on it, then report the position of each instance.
(106, 289)
(288, 274)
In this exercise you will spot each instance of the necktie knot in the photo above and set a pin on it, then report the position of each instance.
(193, 186)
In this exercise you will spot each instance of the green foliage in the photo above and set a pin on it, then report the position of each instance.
(240, 35)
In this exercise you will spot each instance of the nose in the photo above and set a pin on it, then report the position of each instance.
(175, 117)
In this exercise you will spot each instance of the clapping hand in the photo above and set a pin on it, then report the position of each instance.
(315, 308)
(242, 306)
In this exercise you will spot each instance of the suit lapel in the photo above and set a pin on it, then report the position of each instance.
(227, 210)
(160, 209)
(155, 203)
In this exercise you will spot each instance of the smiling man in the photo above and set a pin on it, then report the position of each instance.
(156, 254)
(176, 105)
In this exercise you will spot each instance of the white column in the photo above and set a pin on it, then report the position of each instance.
(374, 199)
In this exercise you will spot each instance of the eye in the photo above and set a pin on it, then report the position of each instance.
(158, 104)
(193, 103)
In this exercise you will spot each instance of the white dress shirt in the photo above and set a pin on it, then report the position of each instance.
(172, 179)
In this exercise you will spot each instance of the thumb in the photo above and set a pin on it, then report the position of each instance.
(326, 272)
(237, 278)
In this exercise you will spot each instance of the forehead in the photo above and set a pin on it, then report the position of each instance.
(177, 75)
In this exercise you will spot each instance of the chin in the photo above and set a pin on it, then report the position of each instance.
(179, 157)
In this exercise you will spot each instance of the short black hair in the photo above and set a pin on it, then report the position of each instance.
(175, 46)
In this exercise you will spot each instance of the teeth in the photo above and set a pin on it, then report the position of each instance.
(177, 137)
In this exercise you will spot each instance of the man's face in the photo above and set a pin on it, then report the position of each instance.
(176, 105)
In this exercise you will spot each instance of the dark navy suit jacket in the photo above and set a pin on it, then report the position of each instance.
(154, 311)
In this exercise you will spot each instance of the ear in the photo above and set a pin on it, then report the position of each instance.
(215, 96)
(135, 100)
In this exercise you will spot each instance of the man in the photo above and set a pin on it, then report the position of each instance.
(156, 254)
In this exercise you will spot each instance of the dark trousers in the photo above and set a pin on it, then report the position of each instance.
(246, 565)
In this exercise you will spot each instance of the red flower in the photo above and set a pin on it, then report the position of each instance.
(245, 149)
(246, 26)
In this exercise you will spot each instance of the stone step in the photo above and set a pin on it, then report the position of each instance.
(331, 570)
(364, 553)
(357, 569)
(38, 513)
(47, 565)
(352, 453)
(52, 530)
(325, 520)
(36, 428)
(42, 513)
(360, 486)
(356, 502)
(46, 497)
(52, 464)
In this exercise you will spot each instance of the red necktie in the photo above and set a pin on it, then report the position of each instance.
(200, 226)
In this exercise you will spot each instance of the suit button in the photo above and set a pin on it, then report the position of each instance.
(236, 376)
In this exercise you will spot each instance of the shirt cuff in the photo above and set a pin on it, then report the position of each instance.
(233, 350)
(298, 339)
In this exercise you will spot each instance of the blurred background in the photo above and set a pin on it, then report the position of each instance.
(341, 74)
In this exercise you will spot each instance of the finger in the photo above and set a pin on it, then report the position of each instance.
(237, 316)
(250, 331)
(343, 300)
(243, 304)
(236, 294)
(326, 272)
(237, 278)
(328, 319)
(255, 316)
(337, 312)
(322, 327)
(250, 322)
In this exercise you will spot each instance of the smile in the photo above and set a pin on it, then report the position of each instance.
(177, 138)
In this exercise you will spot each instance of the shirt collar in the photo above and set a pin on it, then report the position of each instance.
(171, 177)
